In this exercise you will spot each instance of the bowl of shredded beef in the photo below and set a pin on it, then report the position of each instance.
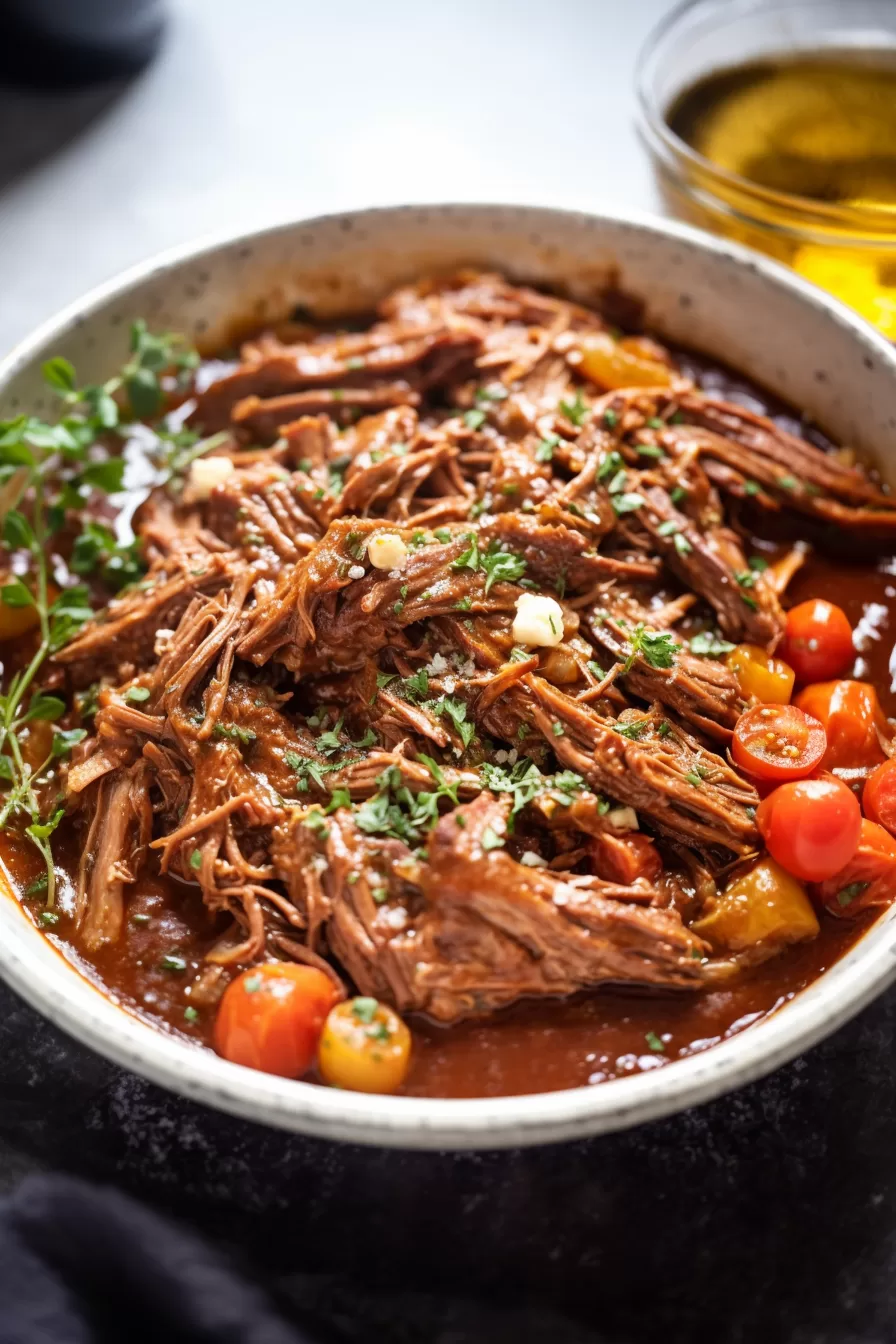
(404, 612)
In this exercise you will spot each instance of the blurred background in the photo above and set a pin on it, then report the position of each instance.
(254, 111)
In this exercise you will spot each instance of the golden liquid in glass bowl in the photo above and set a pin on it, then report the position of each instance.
(815, 135)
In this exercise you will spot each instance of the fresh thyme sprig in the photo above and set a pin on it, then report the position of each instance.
(46, 471)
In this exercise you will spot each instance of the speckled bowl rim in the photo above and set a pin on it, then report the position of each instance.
(75, 1004)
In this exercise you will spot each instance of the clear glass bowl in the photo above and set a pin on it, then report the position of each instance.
(848, 250)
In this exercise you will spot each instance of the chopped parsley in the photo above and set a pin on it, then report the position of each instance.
(356, 545)
(456, 711)
(329, 742)
(501, 565)
(848, 894)
(576, 410)
(397, 812)
(474, 419)
(498, 564)
(545, 450)
(495, 392)
(416, 688)
(654, 1042)
(306, 767)
(656, 647)
(610, 464)
(235, 732)
(196, 860)
(633, 730)
(314, 822)
(627, 503)
(365, 1009)
(752, 487)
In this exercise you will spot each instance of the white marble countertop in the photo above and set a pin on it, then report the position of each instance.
(269, 108)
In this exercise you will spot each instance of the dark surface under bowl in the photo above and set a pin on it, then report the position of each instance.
(769, 1214)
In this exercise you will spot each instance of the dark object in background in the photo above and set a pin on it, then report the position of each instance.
(67, 43)
(82, 1263)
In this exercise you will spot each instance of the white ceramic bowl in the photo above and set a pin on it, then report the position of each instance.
(708, 293)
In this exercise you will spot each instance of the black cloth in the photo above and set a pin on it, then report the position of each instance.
(86, 1265)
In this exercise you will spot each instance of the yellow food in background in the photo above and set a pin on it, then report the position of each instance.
(816, 126)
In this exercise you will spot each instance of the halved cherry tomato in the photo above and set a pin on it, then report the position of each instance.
(869, 878)
(777, 742)
(759, 676)
(851, 714)
(365, 1047)
(271, 1017)
(811, 827)
(625, 858)
(609, 364)
(879, 796)
(817, 640)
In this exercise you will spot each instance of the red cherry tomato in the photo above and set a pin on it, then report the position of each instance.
(851, 714)
(817, 641)
(869, 878)
(625, 858)
(879, 796)
(271, 1017)
(777, 742)
(811, 827)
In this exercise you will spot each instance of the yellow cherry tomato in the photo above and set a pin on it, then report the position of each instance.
(765, 905)
(766, 679)
(610, 365)
(364, 1047)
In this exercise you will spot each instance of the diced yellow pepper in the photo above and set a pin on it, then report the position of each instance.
(610, 365)
(765, 905)
(768, 680)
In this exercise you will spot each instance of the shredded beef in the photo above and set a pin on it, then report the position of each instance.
(362, 768)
